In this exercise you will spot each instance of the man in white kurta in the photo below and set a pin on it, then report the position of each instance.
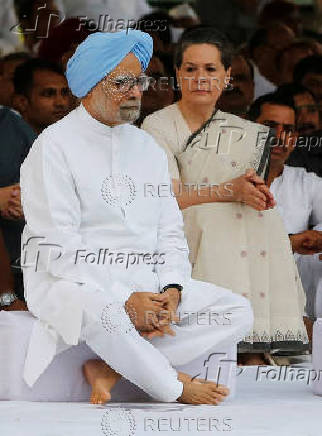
(298, 195)
(95, 190)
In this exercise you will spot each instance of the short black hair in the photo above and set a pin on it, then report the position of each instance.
(161, 23)
(311, 64)
(17, 56)
(299, 44)
(291, 90)
(24, 74)
(275, 98)
(204, 35)
(23, 8)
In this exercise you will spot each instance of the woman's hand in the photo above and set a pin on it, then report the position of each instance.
(260, 184)
(251, 190)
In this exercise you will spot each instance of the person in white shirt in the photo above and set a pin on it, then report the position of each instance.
(97, 200)
(298, 194)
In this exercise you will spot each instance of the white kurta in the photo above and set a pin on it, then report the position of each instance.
(84, 187)
(298, 194)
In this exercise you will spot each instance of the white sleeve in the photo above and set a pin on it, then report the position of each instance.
(172, 244)
(53, 213)
(316, 201)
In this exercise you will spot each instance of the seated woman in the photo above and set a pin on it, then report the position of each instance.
(236, 239)
(298, 194)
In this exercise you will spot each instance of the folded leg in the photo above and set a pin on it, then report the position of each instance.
(211, 318)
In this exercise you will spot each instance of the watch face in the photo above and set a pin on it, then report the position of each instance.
(6, 299)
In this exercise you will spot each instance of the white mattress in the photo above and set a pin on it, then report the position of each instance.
(272, 404)
(261, 408)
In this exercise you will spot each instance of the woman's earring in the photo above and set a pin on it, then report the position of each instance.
(228, 84)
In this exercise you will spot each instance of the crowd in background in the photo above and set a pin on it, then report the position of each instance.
(276, 80)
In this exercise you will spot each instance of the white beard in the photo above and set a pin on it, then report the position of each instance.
(129, 115)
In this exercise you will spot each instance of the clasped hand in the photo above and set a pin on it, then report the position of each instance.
(152, 314)
(251, 190)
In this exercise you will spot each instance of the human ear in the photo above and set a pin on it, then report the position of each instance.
(20, 103)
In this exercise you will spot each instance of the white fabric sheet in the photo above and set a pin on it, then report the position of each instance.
(262, 408)
(64, 380)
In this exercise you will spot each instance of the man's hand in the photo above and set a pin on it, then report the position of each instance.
(10, 202)
(16, 305)
(171, 299)
(5, 196)
(308, 242)
(143, 309)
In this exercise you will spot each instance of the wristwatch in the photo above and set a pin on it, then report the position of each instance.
(172, 285)
(7, 298)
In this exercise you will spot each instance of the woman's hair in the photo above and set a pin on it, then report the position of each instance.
(204, 35)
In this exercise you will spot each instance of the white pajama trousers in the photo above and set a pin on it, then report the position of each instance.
(211, 318)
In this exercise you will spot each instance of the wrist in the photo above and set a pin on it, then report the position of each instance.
(174, 289)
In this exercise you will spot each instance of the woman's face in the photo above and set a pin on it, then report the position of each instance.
(202, 76)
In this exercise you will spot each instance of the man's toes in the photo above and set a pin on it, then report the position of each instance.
(223, 389)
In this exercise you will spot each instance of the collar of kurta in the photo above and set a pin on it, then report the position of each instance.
(94, 124)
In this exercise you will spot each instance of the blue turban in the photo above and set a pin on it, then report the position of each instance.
(100, 53)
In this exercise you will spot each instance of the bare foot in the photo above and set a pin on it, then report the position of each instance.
(102, 378)
(253, 359)
(200, 391)
(184, 378)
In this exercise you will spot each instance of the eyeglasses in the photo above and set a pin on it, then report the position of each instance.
(125, 84)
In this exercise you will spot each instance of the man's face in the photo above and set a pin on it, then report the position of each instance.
(307, 114)
(241, 96)
(282, 120)
(7, 71)
(49, 100)
(117, 98)
(278, 37)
